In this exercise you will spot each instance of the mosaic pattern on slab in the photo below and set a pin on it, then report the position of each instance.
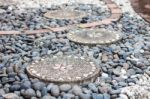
(64, 69)
(65, 14)
(93, 36)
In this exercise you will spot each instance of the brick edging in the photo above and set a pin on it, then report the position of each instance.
(115, 16)
(140, 11)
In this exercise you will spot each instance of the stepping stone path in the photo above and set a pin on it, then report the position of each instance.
(64, 69)
(93, 36)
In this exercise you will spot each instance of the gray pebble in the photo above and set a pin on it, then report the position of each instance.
(65, 87)
(93, 87)
(106, 96)
(38, 94)
(97, 96)
(48, 97)
(76, 90)
(2, 92)
(49, 86)
(68, 96)
(44, 91)
(131, 72)
(25, 85)
(15, 87)
(30, 93)
(85, 96)
(55, 91)
(38, 85)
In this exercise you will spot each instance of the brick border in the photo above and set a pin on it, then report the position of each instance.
(136, 7)
(115, 16)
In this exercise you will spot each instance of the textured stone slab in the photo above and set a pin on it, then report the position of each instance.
(93, 36)
(64, 69)
(64, 14)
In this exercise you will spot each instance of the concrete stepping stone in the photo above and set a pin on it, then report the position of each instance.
(64, 69)
(93, 36)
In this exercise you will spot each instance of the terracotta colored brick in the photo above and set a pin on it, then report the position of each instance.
(106, 22)
(10, 32)
(114, 11)
(114, 16)
(37, 31)
(112, 5)
(115, 19)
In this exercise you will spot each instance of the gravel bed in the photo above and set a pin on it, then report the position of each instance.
(125, 64)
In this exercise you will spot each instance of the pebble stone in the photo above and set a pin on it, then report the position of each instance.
(123, 64)
(10, 96)
(55, 91)
(65, 87)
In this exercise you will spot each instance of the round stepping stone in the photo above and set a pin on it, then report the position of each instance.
(64, 69)
(65, 14)
(93, 36)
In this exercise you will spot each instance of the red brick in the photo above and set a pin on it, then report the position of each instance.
(9, 32)
(114, 11)
(112, 5)
(114, 16)
(37, 31)
(106, 21)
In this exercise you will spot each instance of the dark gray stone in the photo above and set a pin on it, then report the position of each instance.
(38, 85)
(15, 87)
(23, 76)
(25, 85)
(30, 93)
(44, 91)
